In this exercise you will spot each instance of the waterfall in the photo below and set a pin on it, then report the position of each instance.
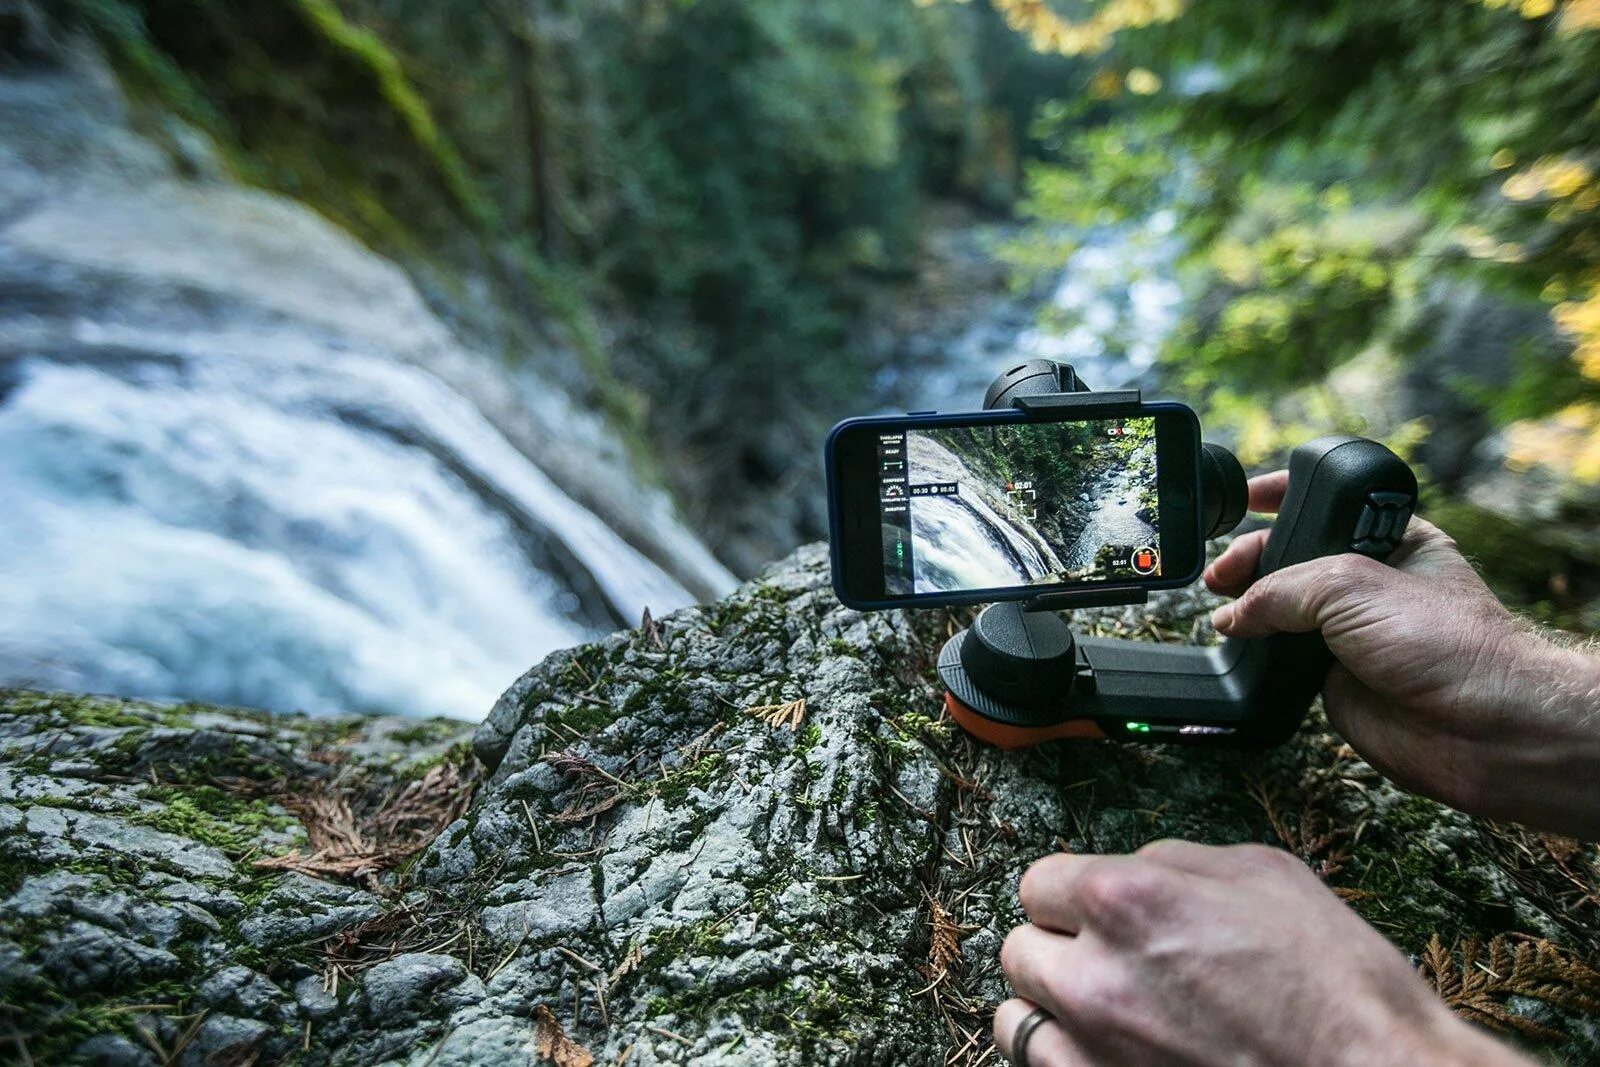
(242, 461)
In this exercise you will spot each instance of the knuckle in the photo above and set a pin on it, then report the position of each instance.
(1265, 859)
(1429, 534)
(1345, 573)
(1168, 849)
(1126, 898)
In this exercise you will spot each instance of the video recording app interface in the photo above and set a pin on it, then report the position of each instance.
(1042, 503)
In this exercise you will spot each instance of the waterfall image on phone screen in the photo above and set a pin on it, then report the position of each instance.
(986, 507)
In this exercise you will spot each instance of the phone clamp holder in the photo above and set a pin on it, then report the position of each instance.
(1020, 676)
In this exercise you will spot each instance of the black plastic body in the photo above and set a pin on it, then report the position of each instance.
(1345, 494)
(856, 538)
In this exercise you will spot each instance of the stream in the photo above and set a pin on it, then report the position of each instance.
(1113, 305)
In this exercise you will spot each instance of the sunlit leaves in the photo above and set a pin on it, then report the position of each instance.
(1477, 121)
(1050, 31)
(1554, 177)
(1568, 443)
(1579, 16)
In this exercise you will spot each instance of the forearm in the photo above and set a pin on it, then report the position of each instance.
(1549, 776)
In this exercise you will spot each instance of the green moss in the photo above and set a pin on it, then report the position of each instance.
(459, 754)
(426, 732)
(17, 862)
(675, 786)
(59, 1022)
(212, 817)
(367, 53)
(808, 738)
(76, 710)
(584, 719)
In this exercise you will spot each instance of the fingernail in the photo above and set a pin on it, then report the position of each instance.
(1222, 618)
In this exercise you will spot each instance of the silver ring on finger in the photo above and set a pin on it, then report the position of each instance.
(1019, 1041)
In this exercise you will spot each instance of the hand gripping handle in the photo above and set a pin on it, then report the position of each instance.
(1346, 494)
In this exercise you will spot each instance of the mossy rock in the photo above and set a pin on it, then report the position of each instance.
(725, 838)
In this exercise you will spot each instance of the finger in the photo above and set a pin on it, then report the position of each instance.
(1304, 597)
(1050, 1045)
(1267, 491)
(1232, 572)
(1031, 957)
(1427, 549)
(1049, 891)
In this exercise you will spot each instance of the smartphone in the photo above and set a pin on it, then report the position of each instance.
(1008, 504)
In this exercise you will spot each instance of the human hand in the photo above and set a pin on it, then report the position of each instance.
(1193, 954)
(1437, 685)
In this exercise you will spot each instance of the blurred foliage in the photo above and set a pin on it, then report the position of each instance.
(1327, 162)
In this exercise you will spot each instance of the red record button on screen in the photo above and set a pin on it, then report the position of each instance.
(1145, 560)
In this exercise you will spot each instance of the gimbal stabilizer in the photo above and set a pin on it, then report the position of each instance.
(1018, 676)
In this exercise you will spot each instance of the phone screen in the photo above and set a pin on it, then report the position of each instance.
(994, 505)
(984, 507)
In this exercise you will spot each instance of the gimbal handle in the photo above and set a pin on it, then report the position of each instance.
(1017, 678)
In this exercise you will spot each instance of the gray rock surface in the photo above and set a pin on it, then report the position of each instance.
(668, 856)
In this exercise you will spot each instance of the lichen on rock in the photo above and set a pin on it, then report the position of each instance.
(744, 833)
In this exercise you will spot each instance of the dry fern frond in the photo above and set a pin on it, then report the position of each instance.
(944, 947)
(553, 1044)
(631, 959)
(1314, 836)
(776, 715)
(1475, 979)
(577, 811)
(569, 762)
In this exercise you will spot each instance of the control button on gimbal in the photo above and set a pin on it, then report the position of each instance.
(1382, 523)
(1364, 524)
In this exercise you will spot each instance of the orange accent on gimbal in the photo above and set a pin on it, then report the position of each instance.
(1004, 735)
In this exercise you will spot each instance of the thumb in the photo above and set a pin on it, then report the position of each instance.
(1301, 598)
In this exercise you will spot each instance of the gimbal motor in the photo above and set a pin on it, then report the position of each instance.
(1019, 675)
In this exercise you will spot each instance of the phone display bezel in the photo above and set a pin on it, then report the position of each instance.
(856, 533)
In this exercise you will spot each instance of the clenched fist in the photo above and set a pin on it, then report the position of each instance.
(1193, 954)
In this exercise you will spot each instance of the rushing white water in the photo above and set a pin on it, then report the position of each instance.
(286, 529)
(958, 547)
(963, 541)
(242, 461)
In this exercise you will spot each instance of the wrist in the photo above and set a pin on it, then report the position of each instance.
(1444, 1039)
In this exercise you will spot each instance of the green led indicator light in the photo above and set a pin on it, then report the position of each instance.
(1138, 727)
